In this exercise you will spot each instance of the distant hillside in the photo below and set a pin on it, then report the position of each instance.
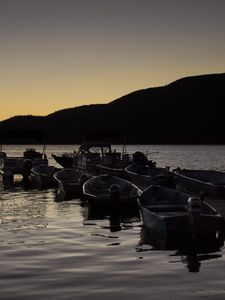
(189, 110)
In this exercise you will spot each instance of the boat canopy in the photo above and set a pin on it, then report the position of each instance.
(95, 148)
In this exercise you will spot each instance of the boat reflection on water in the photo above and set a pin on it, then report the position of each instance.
(192, 260)
(61, 196)
(119, 219)
(191, 253)
(18, 182)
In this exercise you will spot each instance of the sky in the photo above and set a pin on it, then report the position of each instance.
(56, 54)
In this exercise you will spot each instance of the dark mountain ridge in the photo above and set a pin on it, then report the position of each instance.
(187, 111)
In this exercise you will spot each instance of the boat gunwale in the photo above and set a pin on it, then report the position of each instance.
(176, 172)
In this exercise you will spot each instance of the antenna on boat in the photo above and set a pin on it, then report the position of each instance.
(74, 159)
(44, 150)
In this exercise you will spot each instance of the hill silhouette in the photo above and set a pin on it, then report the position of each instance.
(187, 111)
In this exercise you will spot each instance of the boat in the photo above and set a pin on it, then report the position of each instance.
(65, 160)
(70, 182)
(174, 242)
(22, 165)
(43, 175)
(212, 183)
(170, 213)
(145, 175)
(87, 158)
(90, 155)
(10, 166)
(114, 163)
(108, 189)
(191, 254)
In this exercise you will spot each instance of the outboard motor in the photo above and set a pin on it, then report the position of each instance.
(194, 206)
(114, 191)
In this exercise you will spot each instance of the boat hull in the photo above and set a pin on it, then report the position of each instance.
(63, 160)
(43, 176)
(137, 177)
(119, 172)
(70, 182)
(98, 191)
(184, 226)
(144, 176)
(187, 180)
(169, 213)
(70, 190)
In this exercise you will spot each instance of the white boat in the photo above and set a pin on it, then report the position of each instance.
(70, 182)
(43, 175)
(212, 183)
(108, 189)
(167, 212)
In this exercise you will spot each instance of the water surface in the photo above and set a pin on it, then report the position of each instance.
(64, 250)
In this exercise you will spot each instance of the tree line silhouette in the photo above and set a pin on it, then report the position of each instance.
(187, 111)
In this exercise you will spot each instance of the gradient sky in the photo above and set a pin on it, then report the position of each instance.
(57, 54)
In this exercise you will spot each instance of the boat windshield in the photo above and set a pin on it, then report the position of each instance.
(95, 148)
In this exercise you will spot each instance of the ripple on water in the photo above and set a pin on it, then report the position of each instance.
(62, 250)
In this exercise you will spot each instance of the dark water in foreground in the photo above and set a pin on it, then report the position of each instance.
(62, 250)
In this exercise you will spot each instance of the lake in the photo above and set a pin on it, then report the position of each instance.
(64, 250)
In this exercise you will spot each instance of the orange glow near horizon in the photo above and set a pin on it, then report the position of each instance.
(63, 54)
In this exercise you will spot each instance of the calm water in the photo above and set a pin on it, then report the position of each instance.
(62, 250)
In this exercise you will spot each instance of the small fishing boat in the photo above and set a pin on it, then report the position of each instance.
(22, 165)
(114, 164)
(108, 189)
(88, 156)
(65, 160)
(43, 175)
(174, 242)
(10, 166)
(170, 213)
(196, 181)
(144, 175)
(190, 253)
(70, 182)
